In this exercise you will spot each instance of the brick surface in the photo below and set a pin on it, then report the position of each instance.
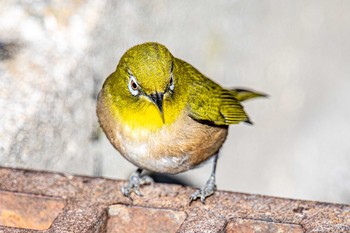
(251, 226)
(139, 219)
(86, 204)
(28, 211)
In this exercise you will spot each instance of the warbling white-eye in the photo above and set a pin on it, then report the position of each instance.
(164, 116)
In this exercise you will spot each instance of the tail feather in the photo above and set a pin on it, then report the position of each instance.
(244, 94)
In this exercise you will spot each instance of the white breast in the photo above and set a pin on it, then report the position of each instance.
(143, 150)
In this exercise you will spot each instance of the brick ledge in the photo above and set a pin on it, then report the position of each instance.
(96, 205)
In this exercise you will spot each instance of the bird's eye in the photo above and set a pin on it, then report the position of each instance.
(134, 88)
(133, 85)
(171, 83)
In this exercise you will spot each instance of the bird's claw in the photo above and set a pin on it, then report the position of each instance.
(135, 182)
(208, 189)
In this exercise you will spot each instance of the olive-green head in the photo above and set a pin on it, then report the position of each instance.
(150, 65)
(143, 82)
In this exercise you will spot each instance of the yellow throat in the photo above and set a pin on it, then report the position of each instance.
(147, 90)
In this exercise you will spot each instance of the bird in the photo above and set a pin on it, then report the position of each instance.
(165, 116)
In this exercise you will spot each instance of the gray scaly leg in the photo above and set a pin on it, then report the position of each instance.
(135, 181)
(209, 187)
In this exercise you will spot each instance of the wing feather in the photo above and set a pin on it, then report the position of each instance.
(209, 102)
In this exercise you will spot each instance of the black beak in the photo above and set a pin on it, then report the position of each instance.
(157, 98)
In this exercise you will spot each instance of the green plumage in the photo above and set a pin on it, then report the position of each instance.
(210, 103)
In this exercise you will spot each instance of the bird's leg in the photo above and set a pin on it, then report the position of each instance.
(209, 187)
(135, 181)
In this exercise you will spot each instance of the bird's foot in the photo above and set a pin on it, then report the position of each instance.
(135, 182)
(208, 189)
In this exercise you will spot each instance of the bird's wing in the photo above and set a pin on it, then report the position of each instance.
(210, 103)
(245, 94)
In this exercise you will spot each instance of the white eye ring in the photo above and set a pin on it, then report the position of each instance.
(172, 86)
(133, 86)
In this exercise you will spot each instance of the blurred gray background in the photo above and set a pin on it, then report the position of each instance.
(55, 55)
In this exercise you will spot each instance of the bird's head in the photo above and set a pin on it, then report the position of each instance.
(144, 83)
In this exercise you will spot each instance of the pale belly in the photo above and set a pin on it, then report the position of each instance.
(172, 149)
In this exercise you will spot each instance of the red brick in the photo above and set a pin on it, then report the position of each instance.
(255, 226)
(28, 211)
(140, 219)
